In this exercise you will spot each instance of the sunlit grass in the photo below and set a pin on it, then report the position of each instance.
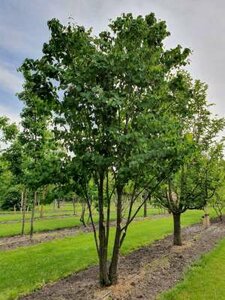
(54, 223)
(205, 280)
(25, 269)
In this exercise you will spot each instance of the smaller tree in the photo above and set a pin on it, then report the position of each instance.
(197, 178)
(218, 203)
(218, 199)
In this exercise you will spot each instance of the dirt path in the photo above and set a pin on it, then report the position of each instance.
(13, 242)
(144, 273)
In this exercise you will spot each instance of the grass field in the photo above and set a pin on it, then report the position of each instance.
(48, 211)
(45, 224)
(205, 280)
(12, 229)
(25, 269)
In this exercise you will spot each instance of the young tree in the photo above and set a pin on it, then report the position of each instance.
(195, 182)
(109, 98)
(217, 201)
(8, 133)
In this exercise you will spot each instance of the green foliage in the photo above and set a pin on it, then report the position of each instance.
(198, 176)
(12, 199)
(7, 131)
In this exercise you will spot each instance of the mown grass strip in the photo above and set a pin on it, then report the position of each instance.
(205, 280)
(25, 269)
(41, 225)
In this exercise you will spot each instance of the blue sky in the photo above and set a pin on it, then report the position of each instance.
(198, 24)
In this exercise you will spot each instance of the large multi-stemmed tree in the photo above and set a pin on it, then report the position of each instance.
(109, 97)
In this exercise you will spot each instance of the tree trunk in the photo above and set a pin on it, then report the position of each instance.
(177, 230)
(58, 203)
(42, 210)
(103, 241)
(23, 203)
(42, 202)
(103, 252)
(83, 214)
(32, 215)
(116, 247)
(145, 209)
(74, 208)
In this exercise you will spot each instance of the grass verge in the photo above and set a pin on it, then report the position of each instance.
(26, 269)
(205, 279)
(58, 222)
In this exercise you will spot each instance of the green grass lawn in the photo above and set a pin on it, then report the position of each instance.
(57, 222)
(42, 225)
(48, 211)
(25, 269)
(16, 217)
(205, 280)
(65, 210)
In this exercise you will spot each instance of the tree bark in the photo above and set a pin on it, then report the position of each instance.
(83, 214)
(42, 210)
(103, 242)
(32, 215)
(116, 248)
(42, 202)
(177, 229)
(58, 203)
(145, 209)
(74, 208)
(23, 202)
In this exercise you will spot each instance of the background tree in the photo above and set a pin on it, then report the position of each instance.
(217, 201)
(195, 182)
(8, 133)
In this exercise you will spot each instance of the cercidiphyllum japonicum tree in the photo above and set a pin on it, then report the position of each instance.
(8, 133)
(43, 156)
(15, 157)
(218, 199)
(198, 177)
(6, 179)
(109, 97)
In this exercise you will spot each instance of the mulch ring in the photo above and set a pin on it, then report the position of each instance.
(143, 274)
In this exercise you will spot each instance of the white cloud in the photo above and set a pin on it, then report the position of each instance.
(12, 115)
(198, 24)
(9, 80)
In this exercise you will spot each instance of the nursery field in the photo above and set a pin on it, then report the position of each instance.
(204, 280)
(112, 167)
(54, 219)
(23, 271)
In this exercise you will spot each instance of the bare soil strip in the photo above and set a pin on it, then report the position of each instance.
(13, 242)
(144, 274)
